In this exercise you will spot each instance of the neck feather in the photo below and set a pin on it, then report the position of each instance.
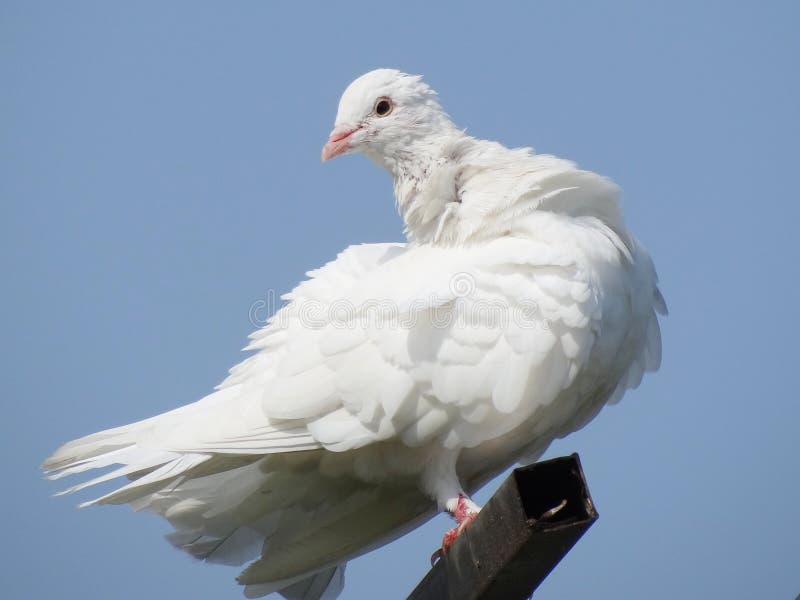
(424, 170)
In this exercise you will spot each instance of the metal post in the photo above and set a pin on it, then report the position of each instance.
(525, 529)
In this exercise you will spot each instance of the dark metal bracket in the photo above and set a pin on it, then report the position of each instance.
(535, 517)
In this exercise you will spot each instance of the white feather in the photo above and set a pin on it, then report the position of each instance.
(519, 308)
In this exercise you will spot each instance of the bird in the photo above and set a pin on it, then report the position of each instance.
(399, 378)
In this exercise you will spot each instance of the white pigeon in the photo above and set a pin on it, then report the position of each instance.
(399, 378)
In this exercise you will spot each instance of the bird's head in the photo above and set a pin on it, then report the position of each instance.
(382, 113)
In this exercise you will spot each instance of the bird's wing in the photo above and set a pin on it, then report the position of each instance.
(388, 342)
(406, 343)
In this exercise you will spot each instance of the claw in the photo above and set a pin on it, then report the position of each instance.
(437, 556)
(464, 513)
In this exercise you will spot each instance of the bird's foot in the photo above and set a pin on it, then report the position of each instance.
(451, 535)
(464, 511)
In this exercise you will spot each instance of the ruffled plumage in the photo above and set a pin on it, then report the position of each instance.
(398, 375)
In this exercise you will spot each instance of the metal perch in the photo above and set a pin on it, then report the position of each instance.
(535, 517)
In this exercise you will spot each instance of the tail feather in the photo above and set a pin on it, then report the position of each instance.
(144, 466)
(90, 451)
(98, 462)
(324, 585)
(295, 516)
(170, 473)
(145, 460)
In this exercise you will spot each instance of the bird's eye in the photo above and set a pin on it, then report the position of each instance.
(383, 106)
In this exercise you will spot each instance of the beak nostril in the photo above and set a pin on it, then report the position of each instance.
(340, 135)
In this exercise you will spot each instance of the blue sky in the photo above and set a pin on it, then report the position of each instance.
(159, 173)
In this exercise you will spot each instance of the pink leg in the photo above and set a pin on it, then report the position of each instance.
(464, 512)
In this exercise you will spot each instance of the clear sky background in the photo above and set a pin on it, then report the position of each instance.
(159, 173)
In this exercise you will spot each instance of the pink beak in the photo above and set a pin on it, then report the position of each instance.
(338, 143)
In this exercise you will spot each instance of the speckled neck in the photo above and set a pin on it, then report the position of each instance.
(424, 169)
